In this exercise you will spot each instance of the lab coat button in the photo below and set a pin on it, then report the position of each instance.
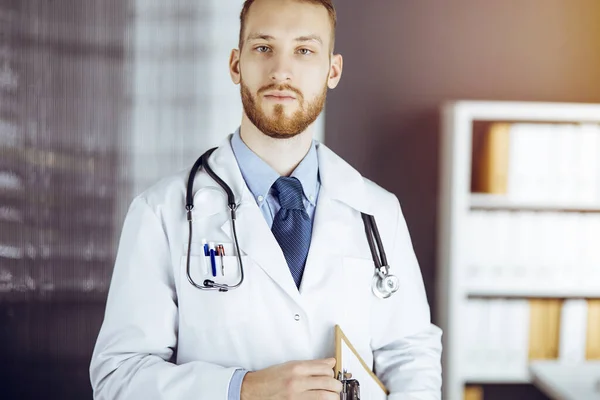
(297, 317)
(260, 198)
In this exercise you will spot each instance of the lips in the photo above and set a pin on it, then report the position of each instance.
(280, 96)
(276, 98)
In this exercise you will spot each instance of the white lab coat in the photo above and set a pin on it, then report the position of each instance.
(164, 339)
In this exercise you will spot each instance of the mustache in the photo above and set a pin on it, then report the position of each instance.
(281, 87)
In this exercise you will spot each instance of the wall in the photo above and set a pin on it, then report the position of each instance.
(403, 58)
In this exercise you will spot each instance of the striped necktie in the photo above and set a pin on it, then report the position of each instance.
(292, 226)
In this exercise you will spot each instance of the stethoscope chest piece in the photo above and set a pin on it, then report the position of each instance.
(384, 287)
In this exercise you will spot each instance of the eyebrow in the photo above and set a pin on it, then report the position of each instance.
(308, 38)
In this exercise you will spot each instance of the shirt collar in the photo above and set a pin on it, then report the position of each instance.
(259, 175)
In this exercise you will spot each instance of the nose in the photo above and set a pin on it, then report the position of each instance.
(281, 69)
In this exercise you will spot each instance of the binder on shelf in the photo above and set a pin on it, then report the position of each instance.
(592, 351)
(473, 392)
(354, 373)
(491, 173)
(471, 336)
(553, 311)
(544, 328)
(518, 336)
(573, 322)
(587, 163)
(496, 333)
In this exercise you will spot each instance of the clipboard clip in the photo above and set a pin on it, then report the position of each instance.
(350, 387)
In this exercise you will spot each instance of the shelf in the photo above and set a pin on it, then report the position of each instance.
(567, 380)
(494, 377)
(511, 292)
(482, 201)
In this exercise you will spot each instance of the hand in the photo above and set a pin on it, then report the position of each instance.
(295, 380)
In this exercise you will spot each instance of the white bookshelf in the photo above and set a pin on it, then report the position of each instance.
(457, 208)
(500, 202)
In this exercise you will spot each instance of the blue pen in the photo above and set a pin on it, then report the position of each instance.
(213, 262)
(206, 253)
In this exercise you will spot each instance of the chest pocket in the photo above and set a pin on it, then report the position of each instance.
(208, 309)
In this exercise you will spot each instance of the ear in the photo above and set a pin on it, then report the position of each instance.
(335, 71)
(234, 66)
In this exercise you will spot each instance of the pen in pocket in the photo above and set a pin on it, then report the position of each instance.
(213, 263)
(221, 253)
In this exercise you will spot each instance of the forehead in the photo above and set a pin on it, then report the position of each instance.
(288, 19)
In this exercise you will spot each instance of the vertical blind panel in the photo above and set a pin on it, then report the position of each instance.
(60, 102)
(182, 101)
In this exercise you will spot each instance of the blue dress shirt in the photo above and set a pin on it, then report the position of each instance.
(259, 177)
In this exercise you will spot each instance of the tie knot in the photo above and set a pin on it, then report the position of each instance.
(289, 193)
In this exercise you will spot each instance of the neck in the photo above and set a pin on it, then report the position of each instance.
(283, 155)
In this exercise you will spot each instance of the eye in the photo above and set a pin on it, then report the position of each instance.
(262, 49)
(305, 52)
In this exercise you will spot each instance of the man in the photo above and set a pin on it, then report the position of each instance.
(306, 260)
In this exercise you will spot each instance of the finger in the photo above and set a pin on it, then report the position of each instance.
(320, 395)
(319, 383)
(330, 361)
(321, 370)
(313, 368)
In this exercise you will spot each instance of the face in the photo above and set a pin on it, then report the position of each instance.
(285, 65)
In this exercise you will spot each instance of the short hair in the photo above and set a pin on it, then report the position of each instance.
(328, 4)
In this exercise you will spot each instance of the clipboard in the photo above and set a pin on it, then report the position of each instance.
(362, 384)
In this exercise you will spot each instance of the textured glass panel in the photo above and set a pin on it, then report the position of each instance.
(61, 100)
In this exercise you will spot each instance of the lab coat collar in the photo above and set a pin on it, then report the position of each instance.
(342, 182)
(224, 164)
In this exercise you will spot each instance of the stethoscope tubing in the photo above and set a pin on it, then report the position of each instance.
(371, 230)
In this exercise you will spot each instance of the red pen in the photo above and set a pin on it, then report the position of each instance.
(221, 251)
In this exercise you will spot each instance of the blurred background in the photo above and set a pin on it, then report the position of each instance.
(101, 98)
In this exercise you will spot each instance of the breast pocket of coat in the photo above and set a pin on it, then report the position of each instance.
(356, 300)
(204, 309)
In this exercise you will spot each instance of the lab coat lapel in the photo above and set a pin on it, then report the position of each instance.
(257, 241)
(328, 241)
(254, 236)
(341, 187)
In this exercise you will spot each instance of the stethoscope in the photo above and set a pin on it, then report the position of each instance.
(383, 284)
